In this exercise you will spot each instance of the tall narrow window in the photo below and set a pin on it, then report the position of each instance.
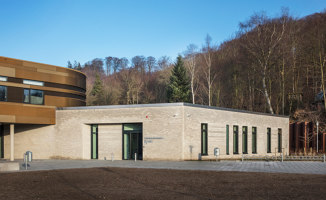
(269, 148)
(254, 140)
(244, 139)
(235, 140)
(3, 93)
(94, 141)
(279, 140)
(204, 131)
(227, 140)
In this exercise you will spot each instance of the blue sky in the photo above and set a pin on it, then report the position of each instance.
(55, 31)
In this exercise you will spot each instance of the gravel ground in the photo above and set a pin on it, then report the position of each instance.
(137, 183)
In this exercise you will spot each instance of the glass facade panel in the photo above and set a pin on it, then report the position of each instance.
(235, 140)
(3, 93)
(245, 139)
(227, 140)
(254, 140)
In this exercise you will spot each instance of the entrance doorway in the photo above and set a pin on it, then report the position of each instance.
(132, 142)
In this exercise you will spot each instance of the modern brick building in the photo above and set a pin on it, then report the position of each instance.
(174, 131)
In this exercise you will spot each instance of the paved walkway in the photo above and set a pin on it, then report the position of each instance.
(247, 166)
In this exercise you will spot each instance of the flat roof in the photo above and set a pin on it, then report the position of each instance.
(167, 105)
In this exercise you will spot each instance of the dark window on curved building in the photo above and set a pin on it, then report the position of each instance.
(3, 93)
(34, 96)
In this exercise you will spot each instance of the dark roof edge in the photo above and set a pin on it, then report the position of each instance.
(167, 105)
(122, 106)
(233, 110)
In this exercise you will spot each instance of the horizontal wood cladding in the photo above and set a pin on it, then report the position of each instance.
(63, 101)
(41, 72)
(26, 114)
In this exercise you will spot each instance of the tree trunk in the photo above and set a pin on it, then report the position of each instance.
(268, 101)
(192, 90)
(283, 86)
(322, 63)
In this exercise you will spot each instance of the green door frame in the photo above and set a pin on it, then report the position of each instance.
(139, 143)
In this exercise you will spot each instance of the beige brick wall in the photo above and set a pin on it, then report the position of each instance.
(169, 132)
(161, 131)
(217, 121)
(110, 141)
(36, 138)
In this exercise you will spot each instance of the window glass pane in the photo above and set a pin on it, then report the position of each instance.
(26, 95)
(279, 140)
(30, 82)
(269, 149)
(132, 127)
(3, 78)
(204, 139)
(235, 140)
(36, 97)
(204, 143)
(126, 146)
(3, 93)
(204, 126)
(254, 140)
(94, 142)
(227, 139)
(244, 139)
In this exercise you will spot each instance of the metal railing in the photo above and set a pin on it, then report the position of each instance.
(282, 158)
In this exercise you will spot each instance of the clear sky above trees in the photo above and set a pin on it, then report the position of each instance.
(54, 32)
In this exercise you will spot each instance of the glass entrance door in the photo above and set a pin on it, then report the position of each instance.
(132, 141)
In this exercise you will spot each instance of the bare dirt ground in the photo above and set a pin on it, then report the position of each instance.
(126, 183)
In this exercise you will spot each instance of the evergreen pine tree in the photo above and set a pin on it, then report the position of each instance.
(179, 87)
(98, 91)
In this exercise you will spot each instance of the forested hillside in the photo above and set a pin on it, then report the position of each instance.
(274, 65)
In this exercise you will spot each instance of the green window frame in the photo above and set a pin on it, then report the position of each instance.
(235, 139)
(279, 140)
(269, 138)
(204, 142)
(254, 140)
(245, 140)
(94, 141)
(227, 140)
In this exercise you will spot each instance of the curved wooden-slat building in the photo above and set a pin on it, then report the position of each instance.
(29, 91)
(29, 95)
